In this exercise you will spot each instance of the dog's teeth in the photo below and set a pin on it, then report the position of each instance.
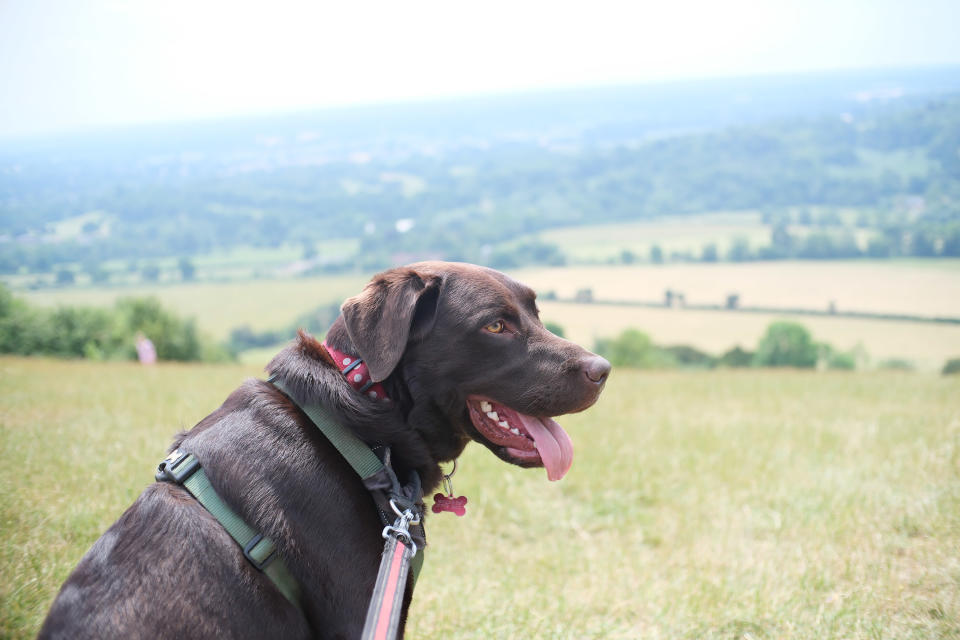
(486, 406)
(493, 415)
(515, 431)
(504, 424)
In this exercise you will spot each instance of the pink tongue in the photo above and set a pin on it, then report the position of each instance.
(553, 444)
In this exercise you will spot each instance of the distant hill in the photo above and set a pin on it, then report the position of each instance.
(464, 179)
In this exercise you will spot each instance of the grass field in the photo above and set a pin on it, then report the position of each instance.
(220, 307)
(598, 243)
(747, 504)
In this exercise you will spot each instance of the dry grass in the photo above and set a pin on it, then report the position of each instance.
(748, 504)
(926, 345)
(921, 287)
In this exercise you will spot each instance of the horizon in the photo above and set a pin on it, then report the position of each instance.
(492, 95)
(70, 69)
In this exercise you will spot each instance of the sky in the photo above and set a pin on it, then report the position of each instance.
(69, 65)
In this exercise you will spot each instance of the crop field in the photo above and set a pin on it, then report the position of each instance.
(598, 243)
(916, 287)
(925, 345)
(926, 288)
(688, 235)
(734, 504)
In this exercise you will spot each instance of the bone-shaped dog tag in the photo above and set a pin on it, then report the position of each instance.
(443, 503)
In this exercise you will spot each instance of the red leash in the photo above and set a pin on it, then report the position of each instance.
(383, 613)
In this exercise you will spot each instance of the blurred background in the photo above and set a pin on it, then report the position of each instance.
(699, 169)
(700, 191)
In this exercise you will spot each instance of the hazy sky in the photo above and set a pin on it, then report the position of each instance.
(69, 64)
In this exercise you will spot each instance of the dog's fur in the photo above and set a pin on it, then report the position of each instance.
(168, 569)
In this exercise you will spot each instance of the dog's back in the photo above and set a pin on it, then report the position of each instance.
(168, 569)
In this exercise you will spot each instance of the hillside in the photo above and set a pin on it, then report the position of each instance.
(467, 180)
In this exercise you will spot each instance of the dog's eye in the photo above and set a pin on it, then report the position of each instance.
(496, 327)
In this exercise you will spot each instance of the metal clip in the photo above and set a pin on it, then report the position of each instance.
(401, 527)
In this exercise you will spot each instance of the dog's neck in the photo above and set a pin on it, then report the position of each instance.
(357, 373)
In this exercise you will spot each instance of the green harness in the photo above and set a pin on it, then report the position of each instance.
(184, 469)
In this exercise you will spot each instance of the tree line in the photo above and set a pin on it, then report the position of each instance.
(480, 203)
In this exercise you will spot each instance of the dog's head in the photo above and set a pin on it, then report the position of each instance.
(466, 346)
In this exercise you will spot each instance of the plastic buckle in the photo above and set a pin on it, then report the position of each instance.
(174, 470)
(260, 566)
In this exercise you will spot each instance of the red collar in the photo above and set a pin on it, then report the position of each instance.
(355, 371)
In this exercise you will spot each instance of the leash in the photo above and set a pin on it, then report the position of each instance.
(403, 535)
(383, 612)
(400, 508)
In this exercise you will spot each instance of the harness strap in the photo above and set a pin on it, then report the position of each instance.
(356, 452)
(184, 469)
(378, 478)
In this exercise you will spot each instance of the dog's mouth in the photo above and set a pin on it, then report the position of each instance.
(524, 440)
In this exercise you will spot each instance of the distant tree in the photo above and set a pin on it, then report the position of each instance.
(842, 360)
(627, 256)
(879, 247)
(896, 364)
(923, 244)
(780, 239)
(786, 344)
(584, 295)
(736, 357)
(656, 254)
(709, 253)
(687, 356)
(65, 277)
(739, 250)
(150, 273)
(187, 270)
(554, 328)
(174, 338)
(632, 348)
(951, 367)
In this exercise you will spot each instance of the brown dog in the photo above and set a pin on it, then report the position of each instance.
(461, 354)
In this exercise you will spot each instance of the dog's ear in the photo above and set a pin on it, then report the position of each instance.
(396, 306)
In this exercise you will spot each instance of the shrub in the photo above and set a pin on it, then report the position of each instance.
(951, 367)
(736, 357)
(687, 356)
(555, 329)
(786, 344)
(896, 364)
(842, 360)
(82, 332)
(633, 348)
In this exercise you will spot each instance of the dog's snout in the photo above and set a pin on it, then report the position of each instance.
(597, 369)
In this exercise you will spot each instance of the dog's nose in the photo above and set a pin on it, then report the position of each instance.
(597, 369)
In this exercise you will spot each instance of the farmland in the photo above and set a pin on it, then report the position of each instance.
(700, 504)
(924, 288)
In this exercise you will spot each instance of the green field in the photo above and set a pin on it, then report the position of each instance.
(747, 504)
